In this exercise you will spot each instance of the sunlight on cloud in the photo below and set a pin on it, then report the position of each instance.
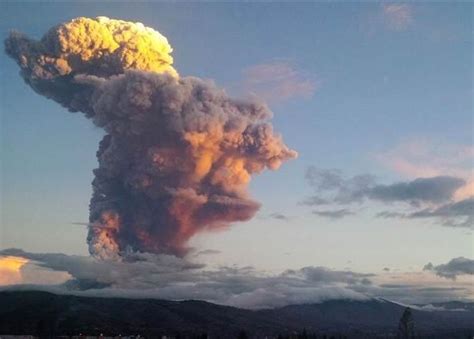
(16, 270)
(10, 269)
(422, 158)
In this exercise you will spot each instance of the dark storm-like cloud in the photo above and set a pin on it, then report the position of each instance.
(453, 214)
(456, 214)
(342, 190)
(419, 198)
(434, 190)
(452, 269)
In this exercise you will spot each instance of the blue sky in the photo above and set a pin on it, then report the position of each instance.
(371, 87)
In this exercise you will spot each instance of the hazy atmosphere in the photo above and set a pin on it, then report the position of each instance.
(254, 155)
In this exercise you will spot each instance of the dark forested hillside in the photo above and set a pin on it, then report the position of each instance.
(47, 314)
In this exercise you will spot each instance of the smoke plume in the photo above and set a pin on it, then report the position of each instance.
(178, 153)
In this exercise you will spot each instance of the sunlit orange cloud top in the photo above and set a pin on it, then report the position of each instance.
(10, 270)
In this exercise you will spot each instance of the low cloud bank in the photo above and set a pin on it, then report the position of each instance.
(145, 275)
(169, 277)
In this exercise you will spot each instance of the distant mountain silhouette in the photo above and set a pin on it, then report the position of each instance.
(47, 315)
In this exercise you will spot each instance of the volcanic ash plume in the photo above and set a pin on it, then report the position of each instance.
(178, 153)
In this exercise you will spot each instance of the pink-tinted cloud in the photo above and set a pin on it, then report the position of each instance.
(397, 16)
(466, 191)
(278, 81)
(423, 158)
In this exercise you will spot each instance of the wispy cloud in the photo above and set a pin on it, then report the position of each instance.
(452, 214)
(397, 16)
(279, 216)
(207, 252)
(334, 214)
(457, 214)
(421, 157)
(278, 81)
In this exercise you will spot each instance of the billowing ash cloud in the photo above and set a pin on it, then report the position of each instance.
(178, 152)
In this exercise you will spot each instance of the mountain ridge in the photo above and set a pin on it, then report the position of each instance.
(45, 313)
